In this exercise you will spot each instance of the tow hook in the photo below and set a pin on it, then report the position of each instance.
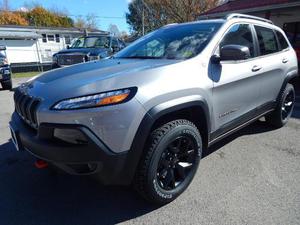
(41, 164)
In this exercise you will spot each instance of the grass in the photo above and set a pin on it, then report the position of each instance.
(27, 74)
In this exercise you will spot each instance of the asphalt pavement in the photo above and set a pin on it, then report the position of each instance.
(251, 177)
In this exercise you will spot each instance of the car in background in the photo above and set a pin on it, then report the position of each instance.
(87, 48)
(5, 71)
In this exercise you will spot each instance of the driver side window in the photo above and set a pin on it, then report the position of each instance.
(239, 34)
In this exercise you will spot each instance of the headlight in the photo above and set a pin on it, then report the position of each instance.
(3, 61)
(96, 100)
(94, 57)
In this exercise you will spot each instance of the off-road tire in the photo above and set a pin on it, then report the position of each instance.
(276, 117)
(7, 85)
(146, 181)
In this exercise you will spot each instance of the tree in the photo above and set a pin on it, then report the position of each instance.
(5, 5)
(10, 18)
(156, 13)
(89, 21)
(114, 30)
(40, 16)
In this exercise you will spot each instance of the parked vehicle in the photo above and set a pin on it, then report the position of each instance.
(88, 48)
(145, 115)
(5, 71)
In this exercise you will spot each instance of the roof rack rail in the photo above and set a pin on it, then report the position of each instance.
(238, 15)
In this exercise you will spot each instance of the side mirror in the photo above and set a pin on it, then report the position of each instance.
(234, 52)
(68, 46)
(2, 47)
(215, 59)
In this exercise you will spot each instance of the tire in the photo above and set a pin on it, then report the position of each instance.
(170, 161)
(7, 85)
(280, 116)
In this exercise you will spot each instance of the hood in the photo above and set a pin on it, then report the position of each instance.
(92, 51)
(93, 77)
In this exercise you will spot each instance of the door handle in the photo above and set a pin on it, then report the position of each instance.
(256, 68)
(285, 60)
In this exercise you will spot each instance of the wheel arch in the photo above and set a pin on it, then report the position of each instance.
(163, 113)
(289, 77)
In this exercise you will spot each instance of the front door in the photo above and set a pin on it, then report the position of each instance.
(236, 83)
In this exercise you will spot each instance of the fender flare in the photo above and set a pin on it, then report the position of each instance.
(290, 75)
(137, 147)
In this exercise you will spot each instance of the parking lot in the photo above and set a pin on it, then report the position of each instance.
(252, 177)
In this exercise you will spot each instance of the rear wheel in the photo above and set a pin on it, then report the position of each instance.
(170, 162)
(284, 109)
(7, 85)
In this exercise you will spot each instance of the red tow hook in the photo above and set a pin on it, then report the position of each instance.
(40, 164)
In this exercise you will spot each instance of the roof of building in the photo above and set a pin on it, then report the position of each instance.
(50, 29)
(19, 34)
(247, 5)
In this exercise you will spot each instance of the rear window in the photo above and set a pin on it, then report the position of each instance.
(266, 40)
(282, 41)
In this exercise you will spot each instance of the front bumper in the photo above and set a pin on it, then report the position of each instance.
(78, 159)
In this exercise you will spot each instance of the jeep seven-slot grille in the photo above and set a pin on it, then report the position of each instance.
(26, 107)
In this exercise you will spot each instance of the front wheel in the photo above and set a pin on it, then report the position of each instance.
(284, 109)
(170, 161)
(7, 85)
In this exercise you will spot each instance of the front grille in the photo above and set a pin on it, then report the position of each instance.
(26, 107)
(69, 59)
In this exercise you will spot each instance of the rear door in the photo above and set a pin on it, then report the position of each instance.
(274, 60)
(236, 83)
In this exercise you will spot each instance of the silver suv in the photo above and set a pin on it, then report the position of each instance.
(145, 115)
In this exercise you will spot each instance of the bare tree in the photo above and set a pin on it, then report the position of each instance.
(150, 14)
(5, 5)
(114, 30)
(89, 21)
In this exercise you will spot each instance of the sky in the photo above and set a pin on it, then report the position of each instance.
(101, 8)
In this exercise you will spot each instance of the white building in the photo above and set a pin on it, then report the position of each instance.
(28, 45)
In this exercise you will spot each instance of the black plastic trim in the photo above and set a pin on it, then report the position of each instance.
(139, 142)
(226, 129)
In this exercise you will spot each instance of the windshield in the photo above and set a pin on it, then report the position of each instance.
(92, 42)
(174, 42)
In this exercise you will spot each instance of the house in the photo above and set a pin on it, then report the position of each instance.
(30, 47)
(283, 13)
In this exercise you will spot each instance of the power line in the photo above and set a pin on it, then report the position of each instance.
(100, 17)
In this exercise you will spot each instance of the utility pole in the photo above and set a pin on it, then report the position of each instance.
(5, 5)
(143, 17)
(143, 20)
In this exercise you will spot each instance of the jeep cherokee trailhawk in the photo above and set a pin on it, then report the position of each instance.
(144, 116)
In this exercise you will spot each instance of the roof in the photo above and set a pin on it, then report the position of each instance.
(50, 29)
(19, 34)
(247, 5)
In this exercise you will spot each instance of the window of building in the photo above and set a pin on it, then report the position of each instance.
(67, 40)
(239, 34)
(266, 40)
(44, 38)
(292, 31)
(50, 37)
(57, 39)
